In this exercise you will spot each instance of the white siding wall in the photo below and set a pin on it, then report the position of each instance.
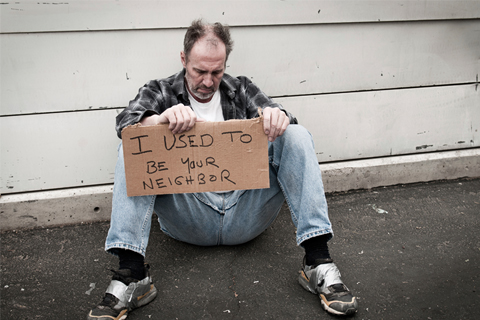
(367, 78)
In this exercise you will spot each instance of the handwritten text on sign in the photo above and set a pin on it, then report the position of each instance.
(213, 156)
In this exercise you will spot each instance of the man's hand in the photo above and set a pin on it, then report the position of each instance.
(275, 122)
(179, 117)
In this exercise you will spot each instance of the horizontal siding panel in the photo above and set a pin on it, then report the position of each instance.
(79, 71)
(40, 16)
(79, 148)
(305, 60)
(394, 122)
(41, 152)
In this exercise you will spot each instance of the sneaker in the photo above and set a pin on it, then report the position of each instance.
(323, 278)
(123, 295)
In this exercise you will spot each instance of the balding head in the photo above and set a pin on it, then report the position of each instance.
(213, 32)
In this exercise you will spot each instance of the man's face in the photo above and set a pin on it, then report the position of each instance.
(204, 68)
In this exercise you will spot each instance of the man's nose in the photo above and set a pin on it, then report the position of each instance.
(207, 80)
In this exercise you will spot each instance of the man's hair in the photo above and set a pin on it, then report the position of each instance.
(198, 29)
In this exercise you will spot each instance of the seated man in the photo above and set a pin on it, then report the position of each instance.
(203, 92)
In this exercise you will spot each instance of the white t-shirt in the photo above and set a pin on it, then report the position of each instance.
(210, 111)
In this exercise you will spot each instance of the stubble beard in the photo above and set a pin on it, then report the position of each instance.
(194, 90)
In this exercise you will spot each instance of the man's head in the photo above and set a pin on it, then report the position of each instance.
(204, 57)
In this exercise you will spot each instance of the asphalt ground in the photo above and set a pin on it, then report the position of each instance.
(407, 252)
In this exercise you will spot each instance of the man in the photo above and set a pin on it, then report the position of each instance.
(202, 91)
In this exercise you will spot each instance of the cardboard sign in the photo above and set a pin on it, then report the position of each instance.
(213, 156)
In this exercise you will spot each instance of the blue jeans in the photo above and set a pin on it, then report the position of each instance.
(230, 218)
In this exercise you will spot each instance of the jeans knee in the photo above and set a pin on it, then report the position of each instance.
(297, 136)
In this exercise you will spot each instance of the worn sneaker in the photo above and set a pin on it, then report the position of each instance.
(323, 278)
(123, 295)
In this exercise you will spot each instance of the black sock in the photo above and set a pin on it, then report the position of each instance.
(316, 248)
(133, 261)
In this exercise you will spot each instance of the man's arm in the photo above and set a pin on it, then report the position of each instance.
(275, 118)
(149, 101)
(152, 106)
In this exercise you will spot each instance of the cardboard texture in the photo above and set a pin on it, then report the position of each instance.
(213, 156)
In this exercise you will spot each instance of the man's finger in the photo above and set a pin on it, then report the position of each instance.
(193, 119)
(187, 118)
(266, 120)
(175, 119)
(274, 124)
(286, 122)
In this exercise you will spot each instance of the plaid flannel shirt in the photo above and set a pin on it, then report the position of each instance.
(240, 99)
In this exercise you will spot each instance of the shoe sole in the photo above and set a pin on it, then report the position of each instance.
(121, 316)
(348, 312)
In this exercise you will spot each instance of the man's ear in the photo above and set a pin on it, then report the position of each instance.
(183, 59)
